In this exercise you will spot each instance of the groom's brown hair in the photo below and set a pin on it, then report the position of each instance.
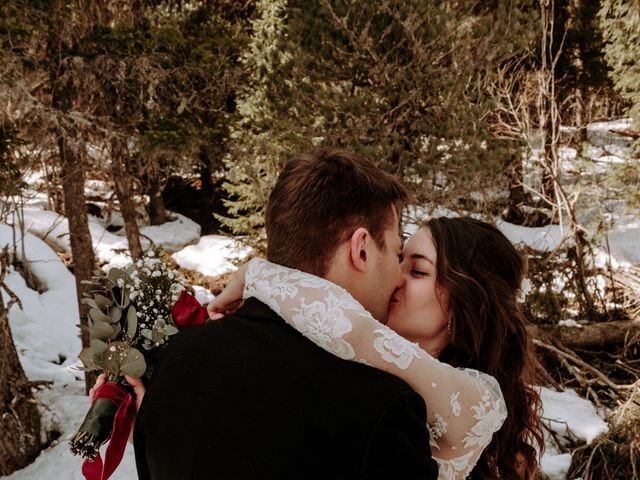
(321, 197)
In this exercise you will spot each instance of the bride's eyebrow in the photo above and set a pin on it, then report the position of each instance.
(417, 256)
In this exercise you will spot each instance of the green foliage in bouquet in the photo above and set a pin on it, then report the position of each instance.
(129, 320)
(130, 312)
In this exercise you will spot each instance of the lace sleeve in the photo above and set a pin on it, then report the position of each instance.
(465, 407)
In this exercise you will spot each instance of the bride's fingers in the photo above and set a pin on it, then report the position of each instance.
(212, 310)
(230, 298)
(138, 389)
(99, 382)
(217, 310)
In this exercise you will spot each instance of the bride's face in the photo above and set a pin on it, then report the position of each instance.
(418, 310)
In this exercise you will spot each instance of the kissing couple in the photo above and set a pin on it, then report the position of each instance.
(348, 355)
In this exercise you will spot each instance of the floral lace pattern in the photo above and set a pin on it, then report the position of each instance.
(324, 324)
(395, 349)
(465, 407)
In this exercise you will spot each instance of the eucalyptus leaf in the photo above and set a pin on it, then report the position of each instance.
(112, 356)
(116, 328)
(132, 321)
(133, 364)
(89, 301)
(102, 301)
(86, 357)
(125, 298)
(98, 346)
(115, 313)
(98, 349)
(158, 335)
(114, 274)
(98, 315)
(170, 330)
(102, 331)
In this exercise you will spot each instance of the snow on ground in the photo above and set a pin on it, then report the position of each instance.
(545, 239)
(567, 412)
(624, 240)
(173, 235)
(569, 416)
(54, 229)
(212, 255)
(64, 409)
(44, 330)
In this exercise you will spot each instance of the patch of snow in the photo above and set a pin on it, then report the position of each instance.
(619, 124)
(173, 235)
(624, 242)
(212, 255)
(545, 239)
(44, 330)
(555, 465)
(571, 417)
(63, 408)
(569, 323)
(110, 247)
(566, 412)
(98, 188)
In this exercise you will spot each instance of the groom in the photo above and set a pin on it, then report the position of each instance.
(248, 397)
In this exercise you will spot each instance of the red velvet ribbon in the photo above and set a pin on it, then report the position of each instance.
(122, 424)
(188, 311)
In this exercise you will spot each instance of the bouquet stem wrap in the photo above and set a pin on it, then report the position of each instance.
(112, 402)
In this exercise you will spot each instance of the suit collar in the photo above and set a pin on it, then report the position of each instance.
(254, 309)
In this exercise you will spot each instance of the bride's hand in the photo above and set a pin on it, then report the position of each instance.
(230, 299)
(136, 383)
(138, 390)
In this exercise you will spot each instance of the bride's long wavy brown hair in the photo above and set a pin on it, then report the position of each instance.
(482, 271)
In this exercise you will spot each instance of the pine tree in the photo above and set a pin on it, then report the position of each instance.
(620, 21)
(402, 83)
(264, 135)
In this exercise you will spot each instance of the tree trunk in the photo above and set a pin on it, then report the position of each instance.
(123, 186)
(205, 170)
(19, 417)
(71, 172)
(157, 211)
(515, 174)
(548, 121)
(75, 209)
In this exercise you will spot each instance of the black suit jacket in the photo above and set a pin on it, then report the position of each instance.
(248, 397)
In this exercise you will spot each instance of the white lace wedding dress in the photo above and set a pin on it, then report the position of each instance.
(464, 407)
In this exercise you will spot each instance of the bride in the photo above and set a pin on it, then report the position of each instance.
(455, 334)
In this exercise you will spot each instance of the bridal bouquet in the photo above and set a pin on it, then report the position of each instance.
(134, 312)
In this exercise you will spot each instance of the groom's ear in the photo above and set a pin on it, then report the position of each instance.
(359, 248)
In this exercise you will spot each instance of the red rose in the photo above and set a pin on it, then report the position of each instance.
(188, 312)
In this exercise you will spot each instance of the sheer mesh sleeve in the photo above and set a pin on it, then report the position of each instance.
(465, 407)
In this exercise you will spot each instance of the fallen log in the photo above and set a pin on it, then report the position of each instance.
(588, 336)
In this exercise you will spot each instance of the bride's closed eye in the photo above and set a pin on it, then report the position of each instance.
(419, 273)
